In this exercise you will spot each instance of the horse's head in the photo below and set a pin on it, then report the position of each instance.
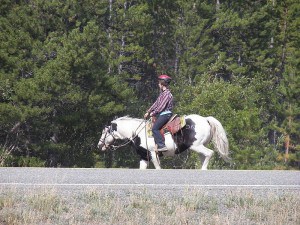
(120, 129)
(107, 138)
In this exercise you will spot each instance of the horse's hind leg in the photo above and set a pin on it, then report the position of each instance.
(206, 155)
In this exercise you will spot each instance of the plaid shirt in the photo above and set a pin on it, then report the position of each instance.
(164, 102)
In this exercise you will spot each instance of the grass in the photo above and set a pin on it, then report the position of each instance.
(98, 206)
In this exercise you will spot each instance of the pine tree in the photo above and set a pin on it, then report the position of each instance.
(62, 93)
(20, 33)
(221, 42)
(288, 107)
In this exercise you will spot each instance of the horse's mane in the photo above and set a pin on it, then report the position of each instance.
(127, 118)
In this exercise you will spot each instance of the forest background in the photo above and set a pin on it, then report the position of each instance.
(67, 68)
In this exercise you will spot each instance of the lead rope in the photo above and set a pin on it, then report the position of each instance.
(146, 136)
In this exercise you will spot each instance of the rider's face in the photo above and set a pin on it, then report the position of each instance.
(160, 86)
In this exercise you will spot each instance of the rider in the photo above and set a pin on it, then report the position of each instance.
(162, 109)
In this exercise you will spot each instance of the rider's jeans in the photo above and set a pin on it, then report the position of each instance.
(159, 123)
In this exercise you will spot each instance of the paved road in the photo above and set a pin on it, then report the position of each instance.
(151, 179)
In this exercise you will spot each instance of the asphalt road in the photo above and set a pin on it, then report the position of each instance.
(134, 179)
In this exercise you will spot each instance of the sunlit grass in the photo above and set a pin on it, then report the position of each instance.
(97, 206)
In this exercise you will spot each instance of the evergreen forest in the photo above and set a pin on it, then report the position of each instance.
(69, 67)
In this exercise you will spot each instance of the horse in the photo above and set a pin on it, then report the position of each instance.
(195, 136)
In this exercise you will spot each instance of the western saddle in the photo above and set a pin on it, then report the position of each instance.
(174, 124)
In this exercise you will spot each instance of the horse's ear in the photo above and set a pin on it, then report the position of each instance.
(114, 126)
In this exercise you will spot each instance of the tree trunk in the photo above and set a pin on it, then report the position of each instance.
(109, 32)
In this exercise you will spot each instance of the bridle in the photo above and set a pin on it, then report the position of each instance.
(108, 132)
(113, 147)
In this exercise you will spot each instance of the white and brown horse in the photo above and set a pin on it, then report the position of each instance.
(195, 135)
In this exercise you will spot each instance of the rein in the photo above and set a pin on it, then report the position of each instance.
(115, 147)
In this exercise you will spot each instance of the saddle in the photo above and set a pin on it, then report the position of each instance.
(174, 124)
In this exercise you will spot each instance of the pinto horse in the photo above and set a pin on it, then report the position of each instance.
(195, 135)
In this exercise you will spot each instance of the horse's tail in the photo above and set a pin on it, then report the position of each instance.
(219, 137)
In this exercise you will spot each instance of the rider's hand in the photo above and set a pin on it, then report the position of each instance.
(146, 115)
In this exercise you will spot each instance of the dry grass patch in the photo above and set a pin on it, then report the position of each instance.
(97, 206)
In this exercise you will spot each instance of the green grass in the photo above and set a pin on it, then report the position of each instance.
(97, 206)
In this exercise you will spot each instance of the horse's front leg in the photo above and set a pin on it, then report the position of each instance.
(143, 164)
(155, 160)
